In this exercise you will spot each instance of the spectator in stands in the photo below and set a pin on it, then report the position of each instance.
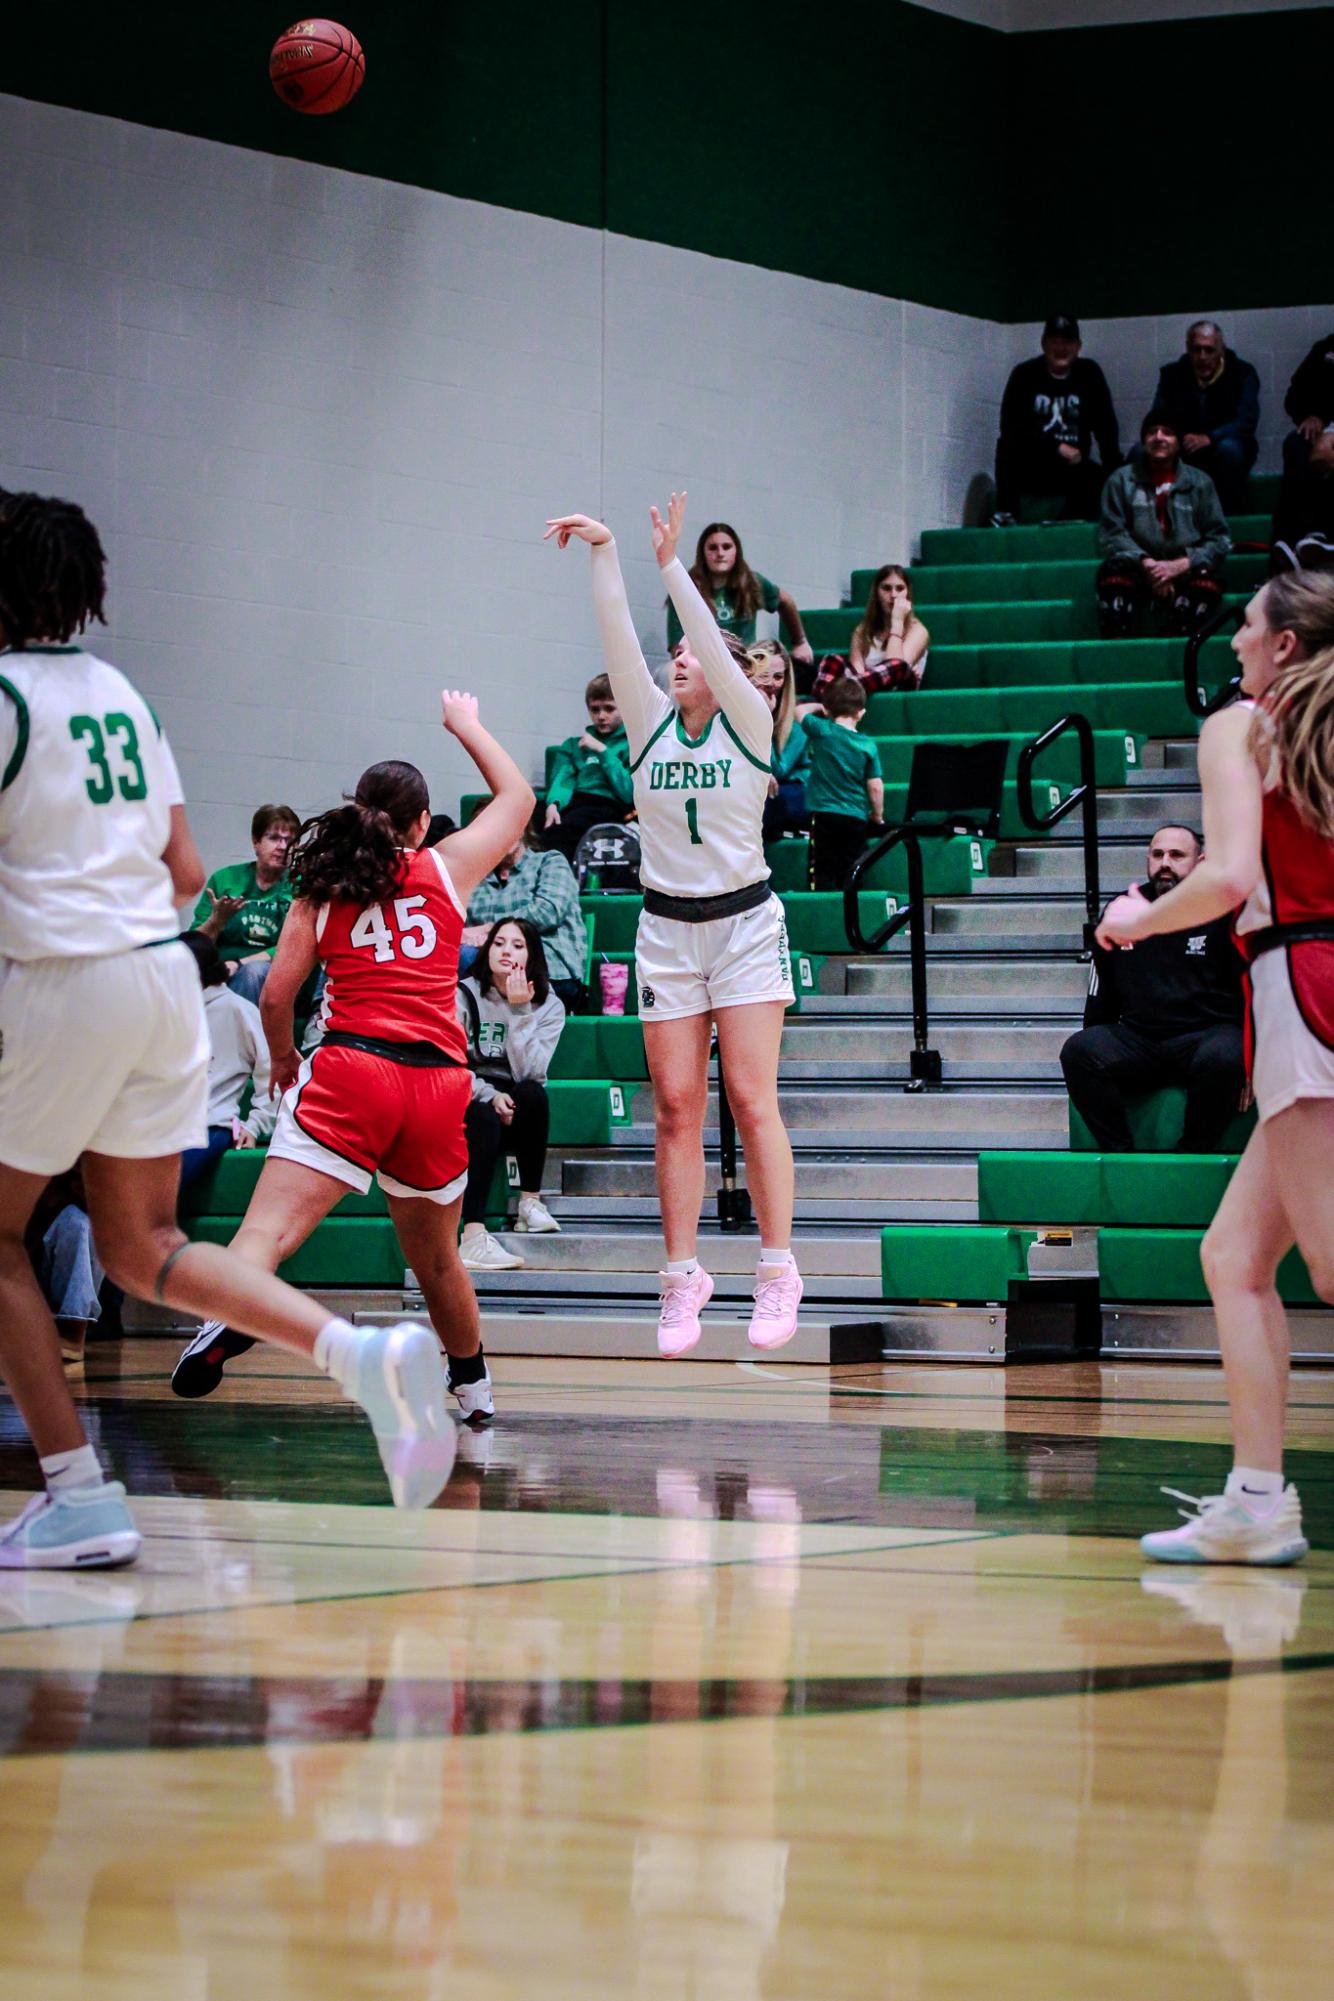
(1309, 402)
(769, 665)
(845, 791)
(539, 887)
(590, 774)
(513, 1019)
(243, 906)
(1211, 398)
(889, 646)
(1055, 409)
(60, 1247)
(738, 594)
(1303, 531)
(1165, 1011)
(1164, 538)
(239, 1056)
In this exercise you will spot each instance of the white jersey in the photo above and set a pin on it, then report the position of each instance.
(700, 801)
(87, 783)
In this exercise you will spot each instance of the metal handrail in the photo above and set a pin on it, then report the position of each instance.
(923, 1061)
(1197, 701)
(1085, 794)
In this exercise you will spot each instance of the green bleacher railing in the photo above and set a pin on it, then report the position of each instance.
(1198, 701)
(924, 1070)
(1085, 795)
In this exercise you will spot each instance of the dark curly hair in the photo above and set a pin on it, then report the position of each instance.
(354, 853)
(53, 570)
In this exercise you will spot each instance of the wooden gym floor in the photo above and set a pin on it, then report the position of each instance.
(699, 1684)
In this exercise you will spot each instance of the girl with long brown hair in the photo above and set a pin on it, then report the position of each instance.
(1267, 773)
(889, 646)
(737, 594)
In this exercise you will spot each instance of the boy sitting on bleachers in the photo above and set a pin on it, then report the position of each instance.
(590, 774)
(844, 789)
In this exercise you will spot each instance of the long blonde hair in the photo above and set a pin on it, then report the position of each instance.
(785, 708)
(1294, 720)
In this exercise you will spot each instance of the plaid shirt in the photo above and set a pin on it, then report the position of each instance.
(541, 888)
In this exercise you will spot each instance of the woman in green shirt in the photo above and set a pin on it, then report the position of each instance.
(738, 594)
(243, 906)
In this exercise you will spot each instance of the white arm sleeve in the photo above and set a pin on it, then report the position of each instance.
(739, 699)
(640, 700)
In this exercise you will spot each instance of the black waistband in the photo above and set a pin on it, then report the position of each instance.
(703, 909)
(413, 1055)
(1314, 931)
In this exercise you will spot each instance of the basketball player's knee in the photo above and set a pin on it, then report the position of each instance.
(752, 1100)
(678, 1108)
(1232, 1266)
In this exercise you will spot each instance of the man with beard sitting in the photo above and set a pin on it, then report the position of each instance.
(1165, 1011)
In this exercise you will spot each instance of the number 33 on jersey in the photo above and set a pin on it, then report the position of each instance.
(393, 966)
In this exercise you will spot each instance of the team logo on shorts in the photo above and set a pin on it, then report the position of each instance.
(647, 997)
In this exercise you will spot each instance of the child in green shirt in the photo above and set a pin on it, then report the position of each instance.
(844, 789)
(590, 774)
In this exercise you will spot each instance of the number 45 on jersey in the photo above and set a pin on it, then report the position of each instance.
(413, 932)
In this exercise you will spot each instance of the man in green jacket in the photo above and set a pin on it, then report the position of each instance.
(590, 779)
(243, 906)
(1164, 538)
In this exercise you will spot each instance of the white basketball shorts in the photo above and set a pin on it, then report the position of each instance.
(685, 969)
(102, 1055)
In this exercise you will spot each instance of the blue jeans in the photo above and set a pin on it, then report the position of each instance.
(67, 1267)
(248, 981)
(196, 1158)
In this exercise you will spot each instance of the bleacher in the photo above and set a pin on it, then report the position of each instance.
(908, 1203)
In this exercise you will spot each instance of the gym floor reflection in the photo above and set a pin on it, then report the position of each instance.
(699, 1682)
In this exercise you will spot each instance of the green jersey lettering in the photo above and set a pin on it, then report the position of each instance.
(131, 782)
(692, 821)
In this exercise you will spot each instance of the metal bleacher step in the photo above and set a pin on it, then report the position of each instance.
(876, 1052)
(993, 916)
(849, 1177)
(971, 986)
(632, 1256)
(1034, 865)
(819, 1119)
(1142, 811)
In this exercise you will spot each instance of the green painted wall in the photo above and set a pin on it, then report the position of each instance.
(867, 143)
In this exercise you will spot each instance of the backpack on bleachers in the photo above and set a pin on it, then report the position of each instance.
(611, 853)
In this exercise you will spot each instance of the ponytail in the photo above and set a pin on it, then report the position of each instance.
(1294, 722)
(354, 852)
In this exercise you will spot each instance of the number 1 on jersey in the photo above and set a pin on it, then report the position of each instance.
(692, 821)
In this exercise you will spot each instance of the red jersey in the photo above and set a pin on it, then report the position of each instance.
(1297, 887)
(393, 967)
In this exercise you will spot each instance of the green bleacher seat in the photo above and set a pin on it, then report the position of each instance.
(1156, 1120)
(1141, 708)
(951, 1262)
(1057, 541)
(1155, 1190)
(1115, 753)
(939, 584)
(1162, 1267)
(610, 1046)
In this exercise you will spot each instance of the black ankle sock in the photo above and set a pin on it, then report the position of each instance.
(467, 1369)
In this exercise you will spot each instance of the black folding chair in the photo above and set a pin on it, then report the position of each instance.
(955, 788)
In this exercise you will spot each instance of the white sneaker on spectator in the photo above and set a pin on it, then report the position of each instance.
(536, 1218)
(480, 1251)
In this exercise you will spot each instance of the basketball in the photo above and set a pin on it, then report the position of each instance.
(317, 66)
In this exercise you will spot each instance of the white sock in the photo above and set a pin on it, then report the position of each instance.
(1257, 1490)
(683, 1267)
(335, 1346)
(473, 1230)
(768, 1257)
(63, 1470)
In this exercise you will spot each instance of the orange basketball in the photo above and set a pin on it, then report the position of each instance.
(317, 66)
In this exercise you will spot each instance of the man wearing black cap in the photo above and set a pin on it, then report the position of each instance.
(1055, 409)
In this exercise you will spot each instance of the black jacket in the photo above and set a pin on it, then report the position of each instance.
(1311, 391)
(1226, 408)
(1040, 410)
(1178, 983)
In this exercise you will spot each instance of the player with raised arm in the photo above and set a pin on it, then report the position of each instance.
(387, 1089)
(711, 949)
(1267, 774)
(105, 1053)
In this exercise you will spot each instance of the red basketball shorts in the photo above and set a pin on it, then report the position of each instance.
(351, 1115)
